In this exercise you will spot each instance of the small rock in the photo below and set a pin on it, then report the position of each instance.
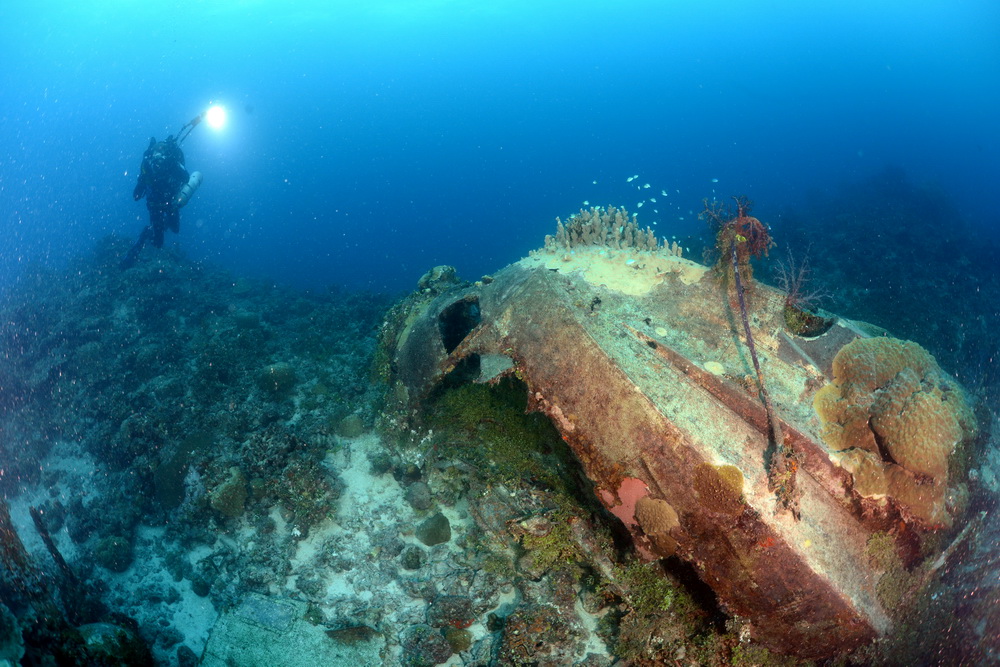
(380, 463)
(391, 547)
(352, 635)
(418, 495)
(494, 623)
(186, 657)
(229, 498)
(407, 474)
(201, 586)
(109, 644)
(413, 558)
(350, 426)
(434, 530)
(169, 637)
(277, 380)
(114, 553)
(459, 640)
(423, 645)
(438, 279)
(451, 611)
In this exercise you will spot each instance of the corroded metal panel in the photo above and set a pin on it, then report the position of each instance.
(653, 391)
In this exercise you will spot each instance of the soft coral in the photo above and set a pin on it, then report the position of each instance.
(750, 232)
(800, 303)
(793, 277)
(741, 236)
(737, 230)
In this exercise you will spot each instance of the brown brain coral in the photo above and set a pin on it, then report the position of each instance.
(901, 419)
(655, 516)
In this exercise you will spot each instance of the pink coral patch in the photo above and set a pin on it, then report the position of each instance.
(629, 492)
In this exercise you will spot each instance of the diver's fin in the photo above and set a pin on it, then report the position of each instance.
(133, 253)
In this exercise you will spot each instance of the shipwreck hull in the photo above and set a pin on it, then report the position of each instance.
(647, 380)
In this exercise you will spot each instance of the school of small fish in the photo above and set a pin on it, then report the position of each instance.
(652, 199)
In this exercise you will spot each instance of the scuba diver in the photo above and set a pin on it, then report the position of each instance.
(165, 183)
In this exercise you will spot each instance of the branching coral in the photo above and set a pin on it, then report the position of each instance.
(609, 227)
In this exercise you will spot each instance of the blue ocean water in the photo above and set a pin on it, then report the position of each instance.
(370, 141)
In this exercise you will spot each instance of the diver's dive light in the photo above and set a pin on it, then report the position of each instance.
(215, 115)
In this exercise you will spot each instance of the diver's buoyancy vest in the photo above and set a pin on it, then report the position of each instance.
(160, 165)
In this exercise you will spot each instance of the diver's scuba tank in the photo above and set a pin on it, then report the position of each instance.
(187, 191)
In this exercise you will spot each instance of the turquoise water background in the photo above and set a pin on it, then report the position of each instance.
(370, 141)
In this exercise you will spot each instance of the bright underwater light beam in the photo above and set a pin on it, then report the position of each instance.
(216, 117)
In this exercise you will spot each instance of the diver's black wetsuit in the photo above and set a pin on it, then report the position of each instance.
(161, 177)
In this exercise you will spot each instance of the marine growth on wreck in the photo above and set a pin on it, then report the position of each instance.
(566, 462)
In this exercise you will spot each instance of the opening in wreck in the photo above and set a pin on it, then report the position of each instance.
(457, 321)
(488, 425)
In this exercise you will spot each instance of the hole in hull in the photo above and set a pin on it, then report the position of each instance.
(457, 321)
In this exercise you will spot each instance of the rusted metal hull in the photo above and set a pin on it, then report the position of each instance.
(654, 394)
